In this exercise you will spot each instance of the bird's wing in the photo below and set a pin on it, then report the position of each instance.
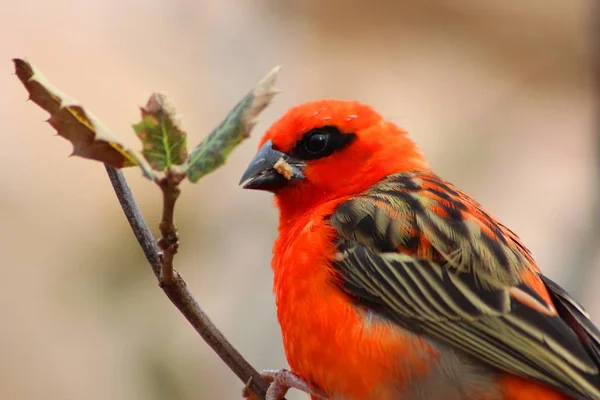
(429, 258)
(575, 316)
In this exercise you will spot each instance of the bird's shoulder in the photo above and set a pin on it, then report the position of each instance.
(418, 213)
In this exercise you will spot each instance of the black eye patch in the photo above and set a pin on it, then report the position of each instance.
(321, 142)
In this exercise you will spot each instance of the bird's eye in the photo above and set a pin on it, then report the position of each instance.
(316, 142)
(321, 142)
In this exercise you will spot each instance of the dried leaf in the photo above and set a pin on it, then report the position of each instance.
(89, 137)
(212, 152)
(164, 142)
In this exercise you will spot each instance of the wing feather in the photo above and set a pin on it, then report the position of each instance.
(456, 285)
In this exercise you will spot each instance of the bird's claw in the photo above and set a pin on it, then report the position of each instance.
(282, 380)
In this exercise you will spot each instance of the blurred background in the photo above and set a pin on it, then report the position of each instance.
(501, 96)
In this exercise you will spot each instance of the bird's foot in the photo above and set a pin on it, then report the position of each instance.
(282, 380)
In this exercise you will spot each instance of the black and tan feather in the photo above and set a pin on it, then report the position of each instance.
(427, 256)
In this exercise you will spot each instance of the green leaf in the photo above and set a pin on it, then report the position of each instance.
(212, 152)
(88, 135)
(164, 142)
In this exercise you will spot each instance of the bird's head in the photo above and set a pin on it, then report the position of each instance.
(326, 150)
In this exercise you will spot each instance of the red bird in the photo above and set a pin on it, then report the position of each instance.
(392, 284)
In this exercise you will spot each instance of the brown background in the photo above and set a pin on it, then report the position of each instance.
(499, 94)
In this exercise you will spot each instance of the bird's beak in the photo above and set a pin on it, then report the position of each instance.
(271, 170)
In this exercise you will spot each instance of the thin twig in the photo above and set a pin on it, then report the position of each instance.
(169, 242)
(178, 292)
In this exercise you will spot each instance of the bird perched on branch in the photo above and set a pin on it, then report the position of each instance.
(392, 284)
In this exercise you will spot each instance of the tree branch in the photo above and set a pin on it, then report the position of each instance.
(178, 292)
(165, 151)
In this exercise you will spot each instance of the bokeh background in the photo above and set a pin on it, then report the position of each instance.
(501, 95)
